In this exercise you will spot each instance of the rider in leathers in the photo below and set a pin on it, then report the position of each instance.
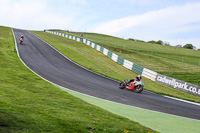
(138, 78)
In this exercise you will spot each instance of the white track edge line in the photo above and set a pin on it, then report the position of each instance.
(182, 100)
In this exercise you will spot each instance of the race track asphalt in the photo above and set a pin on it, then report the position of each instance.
(51, 65)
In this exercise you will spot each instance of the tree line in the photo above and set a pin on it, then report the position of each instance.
(187, 46)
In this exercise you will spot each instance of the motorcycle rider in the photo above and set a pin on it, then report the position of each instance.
(138, 78)
(22, 37)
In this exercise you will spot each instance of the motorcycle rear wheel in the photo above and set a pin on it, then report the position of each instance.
(122, 85)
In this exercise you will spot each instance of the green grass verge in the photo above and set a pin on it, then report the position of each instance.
(30, 104)
(159, 58)
(96, 61)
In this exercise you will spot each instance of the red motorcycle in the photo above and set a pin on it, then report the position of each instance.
(21, 40)
(136, 86)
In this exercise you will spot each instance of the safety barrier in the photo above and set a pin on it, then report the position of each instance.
(128, 64)
(154, 76)
(149, 74)
(137, 69)
(120, 60)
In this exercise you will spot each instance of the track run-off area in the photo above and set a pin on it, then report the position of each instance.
(154, 111)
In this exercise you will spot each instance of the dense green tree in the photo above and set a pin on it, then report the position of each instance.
(188, 46)
(159, 42)
(131, 39)
(152, 41)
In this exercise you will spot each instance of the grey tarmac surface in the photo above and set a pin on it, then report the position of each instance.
(51, 65)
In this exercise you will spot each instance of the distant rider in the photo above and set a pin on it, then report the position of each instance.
(22, 37)
(138, 78)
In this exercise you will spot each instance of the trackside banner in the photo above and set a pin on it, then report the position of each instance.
(178, 84)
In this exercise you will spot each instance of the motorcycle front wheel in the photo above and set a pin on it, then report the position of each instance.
(138, 89)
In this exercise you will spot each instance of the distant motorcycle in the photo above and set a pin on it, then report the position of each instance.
(136, 86)
(21, 40)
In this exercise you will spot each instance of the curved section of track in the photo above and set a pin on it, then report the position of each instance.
(51, 65)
